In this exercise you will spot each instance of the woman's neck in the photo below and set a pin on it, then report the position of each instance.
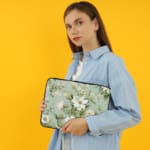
(91, 45)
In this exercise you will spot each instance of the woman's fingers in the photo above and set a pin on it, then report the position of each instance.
(42, 106)
(75, 127)
(65, 128)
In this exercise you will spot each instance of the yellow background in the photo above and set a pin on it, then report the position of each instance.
(33, 47)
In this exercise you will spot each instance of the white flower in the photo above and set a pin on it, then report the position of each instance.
(45, 119)
(60, 105)
(74, 84)
(69, 118)
(79, 102)
(56, 93)
(90, 112)
(106, 89)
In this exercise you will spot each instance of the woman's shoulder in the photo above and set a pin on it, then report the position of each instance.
(113, 58)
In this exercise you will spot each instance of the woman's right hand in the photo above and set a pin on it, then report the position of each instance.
(42, 106)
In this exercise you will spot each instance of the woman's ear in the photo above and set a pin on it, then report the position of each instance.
(96, 25)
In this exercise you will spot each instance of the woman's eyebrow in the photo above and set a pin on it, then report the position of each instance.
(76, 20)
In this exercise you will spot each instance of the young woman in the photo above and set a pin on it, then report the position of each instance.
(94, 62)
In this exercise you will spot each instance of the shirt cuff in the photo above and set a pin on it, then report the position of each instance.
(92, 128)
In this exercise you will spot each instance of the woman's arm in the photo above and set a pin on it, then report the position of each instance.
(123, 92)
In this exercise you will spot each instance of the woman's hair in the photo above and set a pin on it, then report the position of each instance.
(92, 12)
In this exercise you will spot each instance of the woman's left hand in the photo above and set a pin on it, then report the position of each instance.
(75, 127)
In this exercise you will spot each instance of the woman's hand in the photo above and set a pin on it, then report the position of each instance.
(75, 127)
(42, 106)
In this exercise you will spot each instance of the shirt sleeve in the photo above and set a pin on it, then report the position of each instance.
(125, 112)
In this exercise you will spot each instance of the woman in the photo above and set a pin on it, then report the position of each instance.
(94, 62)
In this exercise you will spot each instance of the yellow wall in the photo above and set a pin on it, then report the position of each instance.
(32, 43)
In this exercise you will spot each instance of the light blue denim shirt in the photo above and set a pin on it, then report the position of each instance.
(100, 66)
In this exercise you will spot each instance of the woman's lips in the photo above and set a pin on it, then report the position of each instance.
(76, 38)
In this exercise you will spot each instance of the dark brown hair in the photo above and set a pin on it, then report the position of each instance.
(92, 12)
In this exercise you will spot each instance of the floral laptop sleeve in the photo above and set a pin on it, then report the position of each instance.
(66, 99)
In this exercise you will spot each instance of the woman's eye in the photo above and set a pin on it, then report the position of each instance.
(68, 27)
(79, 22)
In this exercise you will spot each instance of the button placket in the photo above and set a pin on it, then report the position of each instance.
(86, 57)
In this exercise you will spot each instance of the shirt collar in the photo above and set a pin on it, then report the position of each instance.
(93, 53)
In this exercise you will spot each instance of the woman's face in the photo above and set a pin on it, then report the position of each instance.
(80, 28)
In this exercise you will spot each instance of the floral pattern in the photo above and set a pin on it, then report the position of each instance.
(67, 99)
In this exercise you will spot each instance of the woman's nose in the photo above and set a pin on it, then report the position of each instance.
(74, 31)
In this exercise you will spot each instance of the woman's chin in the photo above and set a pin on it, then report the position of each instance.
(77, 44)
